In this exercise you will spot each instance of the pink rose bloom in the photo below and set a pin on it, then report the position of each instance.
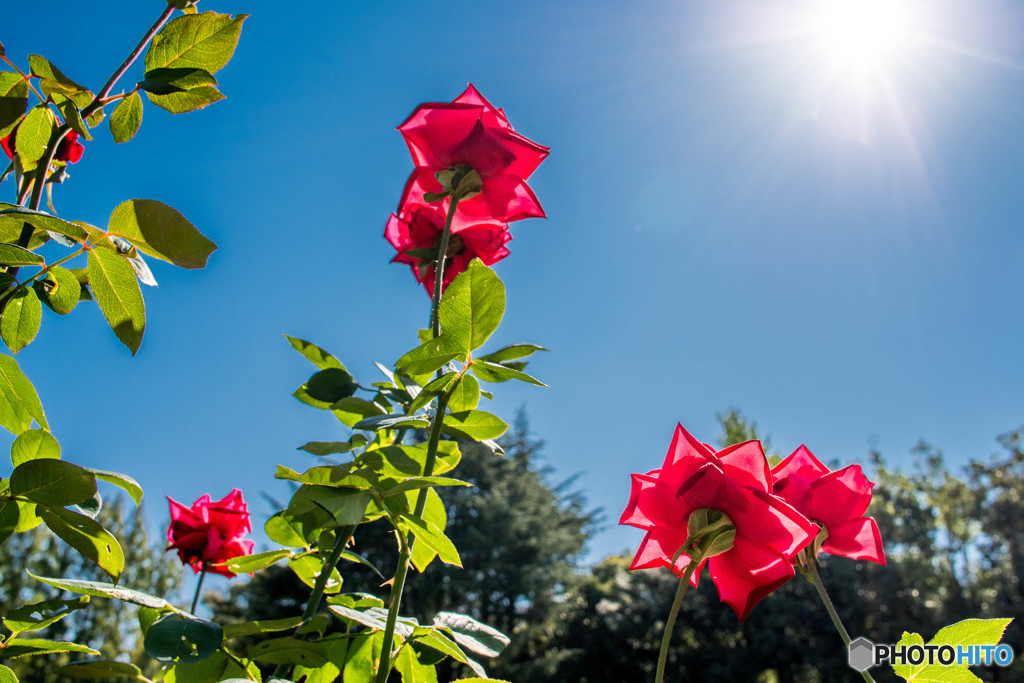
(736, 482)
(835, 500)
(210, 532)
(417, 237)
(471, 131)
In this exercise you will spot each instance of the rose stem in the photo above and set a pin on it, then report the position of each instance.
(43, 165)
(340, 541)
(195, 600)
(812, 570)
(428, 467)
(684, 583)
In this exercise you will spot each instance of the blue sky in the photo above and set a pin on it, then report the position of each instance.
(735, 219)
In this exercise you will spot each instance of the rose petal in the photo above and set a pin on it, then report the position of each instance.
(748, 573)
(857, 539)
(839, 496)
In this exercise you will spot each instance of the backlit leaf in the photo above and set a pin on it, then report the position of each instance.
(117, 292)
(84, 535)
(160, 231)
(126, 119)
(201, 41)
(19, 322)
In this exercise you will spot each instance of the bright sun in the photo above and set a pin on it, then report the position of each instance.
(861, 35)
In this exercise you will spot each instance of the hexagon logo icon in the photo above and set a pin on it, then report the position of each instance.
(862, 654)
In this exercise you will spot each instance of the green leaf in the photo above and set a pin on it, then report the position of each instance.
(412, 671)
(57, 81)
(430, 535)
(39, 615)
(345, 506)
(972, 632)
(364, 653)
(10, 516)
(326, 387)
(416, 483)
(122, 481)
(164, 81)
(473, 635)
(188, 100)
(97, 669)
(315, 354)
(160, 231)
(496, 372)
(126, 119)
(512, 352)
(378, 422)
(44, 221)
(433, 638)
(967, 632)
(118, 295)
(19, 403)
(285, 530)
(6, 675)
(13, 255)
(465, 395)
(35, 444)
(20, 320)
(246, 564)
(216, 667)
(23, 647)
(176, 637)
(474, 425)
(308, 568)
(330, 475)
(53, 482)
(104, 590)
(351, 410)
(289, 651)
(74, 119)
(409, 461)
(472, 306)
(59, 290)
(84, 535)
(251, 628)
(430, 356)
(13, 100)
(337, 650)
(331, 447)
(199, 41)
(33, 135)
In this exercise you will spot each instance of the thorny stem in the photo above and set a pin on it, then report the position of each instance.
(812, 572)
(18, 285)
(405, 552)
(684, 583)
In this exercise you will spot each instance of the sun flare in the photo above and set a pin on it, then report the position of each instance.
(861, 34)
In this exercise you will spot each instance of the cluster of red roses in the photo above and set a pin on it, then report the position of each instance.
(775, 513)
(69, 150)
(469, 133)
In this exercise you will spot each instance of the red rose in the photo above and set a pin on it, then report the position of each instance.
(210, 532)
(8, 143)
(736, 483)
(417, 236)
(472, 132)
(70, 149)
(835, 500)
